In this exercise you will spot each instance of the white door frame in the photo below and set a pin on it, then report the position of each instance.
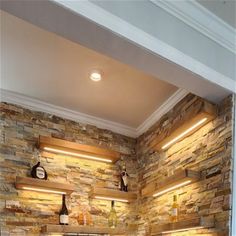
(233, 219)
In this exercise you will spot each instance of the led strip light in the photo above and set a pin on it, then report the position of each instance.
(172, 188)
(184, 133)
(77, 154)
(43, 190)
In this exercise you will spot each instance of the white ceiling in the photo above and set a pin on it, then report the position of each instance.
(49, 68)
(224, 9)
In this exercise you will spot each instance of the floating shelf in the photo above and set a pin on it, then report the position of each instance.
(82, 229)
(43, 185)
(205, 112)
(179, 179)
(196, 223)
(112, 194)
(64, 147)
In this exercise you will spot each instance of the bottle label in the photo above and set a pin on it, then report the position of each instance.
(40, 173)
(64, 219)
(174, 212)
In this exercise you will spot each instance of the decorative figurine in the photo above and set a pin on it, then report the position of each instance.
(124, 179)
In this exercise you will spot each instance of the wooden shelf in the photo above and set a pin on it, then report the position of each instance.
(112, 194)
(82, 229)
(179, 179)
(190, 123)
(196, 223)
(64, 147)
(43, 185)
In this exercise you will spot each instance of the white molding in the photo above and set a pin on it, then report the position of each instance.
(37, 105)
(201, 19)
(162, 110)
(233, 184)
(138, 36)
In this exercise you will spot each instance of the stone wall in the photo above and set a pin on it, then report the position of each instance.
(209, 151)
(23, 212)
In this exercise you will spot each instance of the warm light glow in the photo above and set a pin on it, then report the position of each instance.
(184, 133)
(172, 188)
(44, 190)
(95, 76)
(179, 230)
(76, 154)
(111, 198)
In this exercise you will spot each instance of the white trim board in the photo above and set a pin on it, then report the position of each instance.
(201, 19)
(233, 216)
(37, 105)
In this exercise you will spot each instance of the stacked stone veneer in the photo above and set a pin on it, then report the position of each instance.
(208, 151)
(23, 212)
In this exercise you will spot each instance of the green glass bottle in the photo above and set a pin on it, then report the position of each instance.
(112, 218)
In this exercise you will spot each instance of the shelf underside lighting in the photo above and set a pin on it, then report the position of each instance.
(183, 225)
(179, 179)
(111, 199)
(43, 190)
(75, 154)
(180, 230)
(190, 122)
(172, 188)
(45, 186)
(75, 149)
(184, 133)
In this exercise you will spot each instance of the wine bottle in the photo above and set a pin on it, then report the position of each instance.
(63, 215)
(112, 218)
(174, 209)
(124, 179)
(38, 172)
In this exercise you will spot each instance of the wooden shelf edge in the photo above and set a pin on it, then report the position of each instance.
(82, 229)
(175, 179)
(22, 182)
(195, 223)
(80, 149)
(205, 109)
(113, 194)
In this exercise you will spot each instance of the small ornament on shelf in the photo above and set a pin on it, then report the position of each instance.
(124, 179)
(84, 217)
(38, 171)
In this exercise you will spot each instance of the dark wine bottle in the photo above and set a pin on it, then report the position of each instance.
(63, 215)
(39, 172)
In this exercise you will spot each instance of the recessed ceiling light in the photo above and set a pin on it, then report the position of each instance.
(95, 76)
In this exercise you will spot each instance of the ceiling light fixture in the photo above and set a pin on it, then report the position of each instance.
(95, 76)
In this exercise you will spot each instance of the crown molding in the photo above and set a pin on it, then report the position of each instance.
(162, 110)
(37, 105)
(198, 17)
